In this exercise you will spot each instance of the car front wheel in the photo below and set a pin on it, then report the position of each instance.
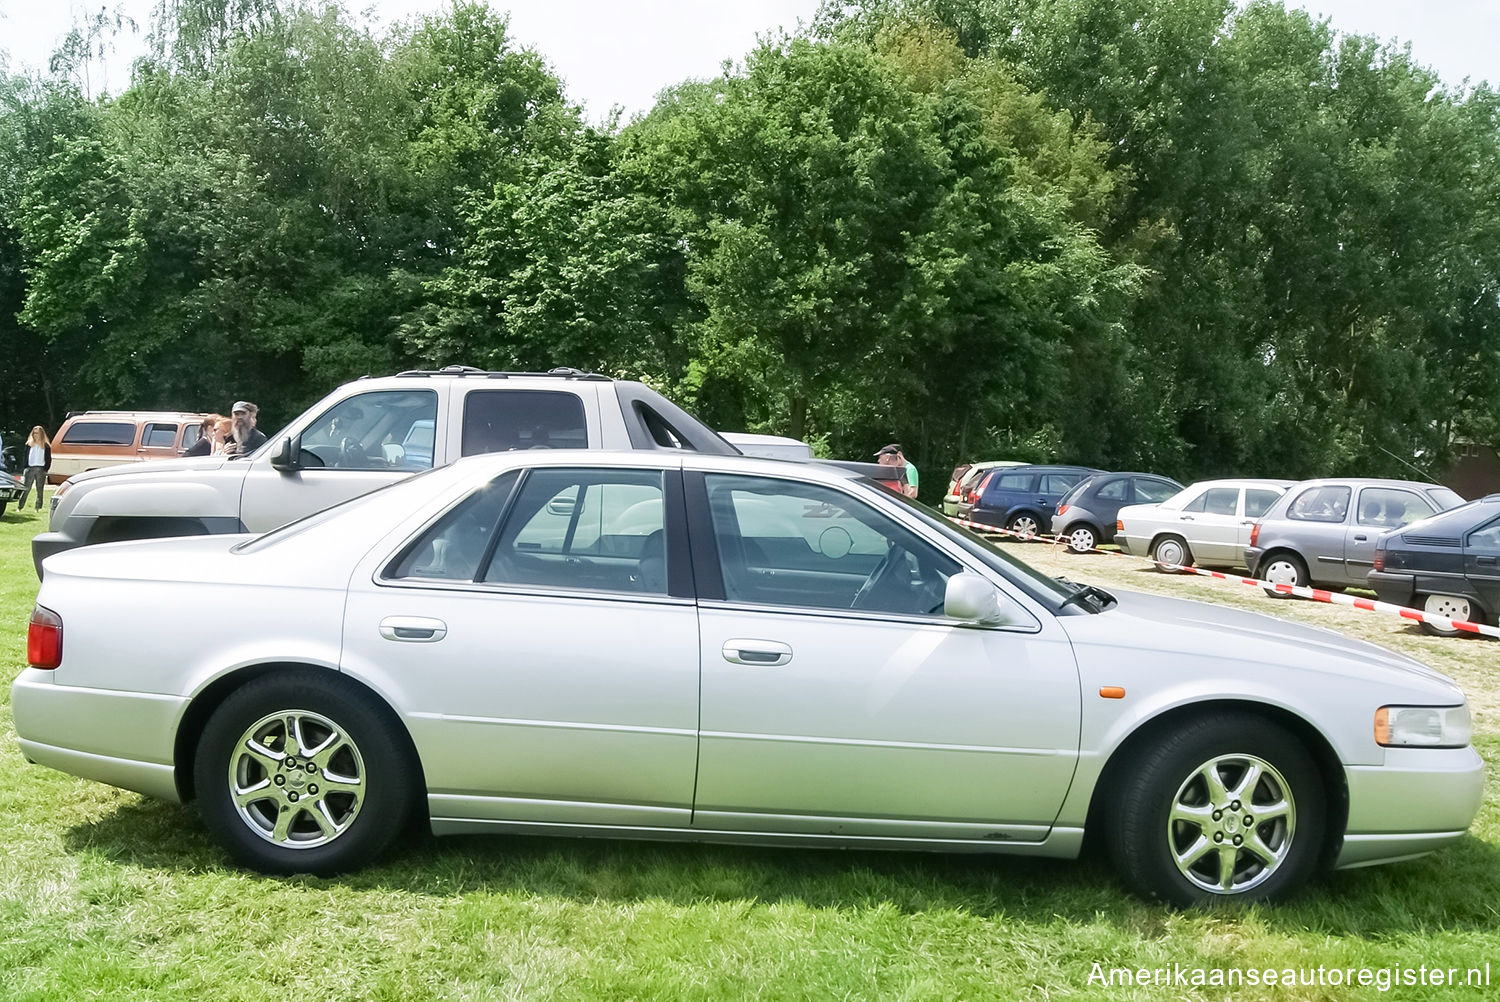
(298, 772)
(1226, 808)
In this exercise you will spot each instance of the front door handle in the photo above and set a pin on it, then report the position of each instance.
(413, 629)
(757, 653)
(1487, 561)
(1360, 537)
(1186, 518)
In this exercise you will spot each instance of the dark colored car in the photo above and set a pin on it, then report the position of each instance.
(1448, 565)
(1021, 498)
(1086, 516)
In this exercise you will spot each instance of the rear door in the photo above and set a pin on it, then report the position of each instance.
(159, 440)
(1050, 490)
(1210, 524)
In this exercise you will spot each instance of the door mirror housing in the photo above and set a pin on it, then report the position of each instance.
(972, 599)
(284, 457)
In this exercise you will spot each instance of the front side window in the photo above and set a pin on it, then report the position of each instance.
(504, 420)
(373, 431)
(1148, 491)
(1321, 504)
(1389, 508)
(805, 545)
(100, 433)
(1485, 539)
(595, 529)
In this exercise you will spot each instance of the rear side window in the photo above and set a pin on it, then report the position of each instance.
(504, 420)
(1215, 501)
(1258, 501)
(1321, 504)
(1154, 491)
(1386, 507)
(159, 436)
(100, 433)
(1114, 490)
(1012, 482)
(452, 549)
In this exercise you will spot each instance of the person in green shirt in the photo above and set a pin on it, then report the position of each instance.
(892, 455)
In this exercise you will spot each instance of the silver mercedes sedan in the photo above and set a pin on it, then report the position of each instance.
(664, 645)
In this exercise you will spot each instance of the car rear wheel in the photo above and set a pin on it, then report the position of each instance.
(1082, 539)
(1024, 524)
(1283, 569)
(1227, 808)
(298, 772)
(1171, 553)
(1451, 606)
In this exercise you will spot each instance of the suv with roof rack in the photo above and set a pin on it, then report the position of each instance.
(364, 435)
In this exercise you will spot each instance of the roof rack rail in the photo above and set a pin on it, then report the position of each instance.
(561, 372)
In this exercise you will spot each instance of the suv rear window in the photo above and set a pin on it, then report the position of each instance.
(503, 420)
(100, 433)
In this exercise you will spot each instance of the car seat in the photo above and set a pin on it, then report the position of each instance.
(651, 577)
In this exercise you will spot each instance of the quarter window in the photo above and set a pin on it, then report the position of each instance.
(1321, 504)
(793, 544)
(100, 433)
(382, 430)
(601, 530)
(503, 420)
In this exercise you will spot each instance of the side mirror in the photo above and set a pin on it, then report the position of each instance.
(284, 458)
(972, 599)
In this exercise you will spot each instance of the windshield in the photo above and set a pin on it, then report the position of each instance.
(1047, 590)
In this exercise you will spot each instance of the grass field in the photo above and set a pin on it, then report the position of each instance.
(106, 895)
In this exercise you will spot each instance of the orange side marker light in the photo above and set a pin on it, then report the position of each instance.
(1111, 692)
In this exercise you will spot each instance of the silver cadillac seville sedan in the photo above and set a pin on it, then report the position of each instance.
(665, 645)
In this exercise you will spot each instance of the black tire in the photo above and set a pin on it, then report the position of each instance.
(368, 775)
(1081, 538)
(1185, 560)
(1026, 523)
(1285, 567)
(1145, 841)
(3, 503)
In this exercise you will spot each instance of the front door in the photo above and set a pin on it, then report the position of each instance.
(553, 679)
(357, 445)
(1380, 509)
(838, 701)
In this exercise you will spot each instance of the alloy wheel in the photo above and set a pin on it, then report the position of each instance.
(296, 779)
(1231, 824)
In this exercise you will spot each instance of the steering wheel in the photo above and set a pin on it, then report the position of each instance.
(352, 454)
(884, 572)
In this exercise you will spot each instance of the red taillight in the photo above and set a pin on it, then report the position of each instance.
(1254, 533)
(1380, 558)
(1062, 509)
(44, 639)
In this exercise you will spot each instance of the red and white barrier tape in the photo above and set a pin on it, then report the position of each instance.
(1299, 591)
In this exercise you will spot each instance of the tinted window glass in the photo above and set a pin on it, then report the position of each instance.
(585, 528)
(792, 544)
(371, 431)
(159, 436)
(1013, 482)
(502, 420)
(1321, 504)
(1059, 483)
(1445, 498)
(1258, 501)
(452, 549)
(191, 434)
(101, 433)
(1148, 491)
(1386, 507)
(1114, 490)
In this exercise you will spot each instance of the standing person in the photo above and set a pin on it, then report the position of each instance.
(892, 455)
(205, 444)
(247, 437)
(38, 462)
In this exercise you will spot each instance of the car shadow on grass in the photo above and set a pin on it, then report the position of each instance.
(1457, 888)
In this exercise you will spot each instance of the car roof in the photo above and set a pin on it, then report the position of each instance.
(1244, 482)
(1367, 482)
(135, 416)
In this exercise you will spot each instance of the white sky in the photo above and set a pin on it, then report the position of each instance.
(615, 52)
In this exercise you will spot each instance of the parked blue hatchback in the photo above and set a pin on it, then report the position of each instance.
(1021, 498)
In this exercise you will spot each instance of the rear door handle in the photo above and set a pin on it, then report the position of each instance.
(757, 653)
(413, 629)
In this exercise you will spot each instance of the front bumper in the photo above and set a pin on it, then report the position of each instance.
(1420, 800)
(121, 738)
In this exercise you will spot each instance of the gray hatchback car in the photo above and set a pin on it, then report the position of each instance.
(1324, 531)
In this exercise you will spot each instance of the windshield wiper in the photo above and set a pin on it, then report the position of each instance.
(1088, 597)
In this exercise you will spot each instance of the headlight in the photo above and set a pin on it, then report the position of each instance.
(1423, 726)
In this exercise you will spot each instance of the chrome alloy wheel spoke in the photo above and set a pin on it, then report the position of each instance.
(1219, 838)
(304, 795)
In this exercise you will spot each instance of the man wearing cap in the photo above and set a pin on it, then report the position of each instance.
(246, 437)
(891, 455)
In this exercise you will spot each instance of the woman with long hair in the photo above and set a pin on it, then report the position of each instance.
(38, 462)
